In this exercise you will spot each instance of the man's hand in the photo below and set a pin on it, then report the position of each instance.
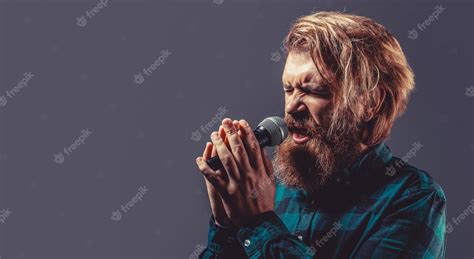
(246, 168)
(215, 200)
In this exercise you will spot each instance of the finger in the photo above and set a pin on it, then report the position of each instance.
(236, 146)
(207, 151)
(226, 157)
(210, 152)
(207, 155)
(223, 136)
(251, 145)
(237, 125)
(211, 190)
(221, 171)
(215, 199)
(214, 178)
(268, 164)
(221, 132)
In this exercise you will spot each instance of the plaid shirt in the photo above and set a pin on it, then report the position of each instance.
(381, 207)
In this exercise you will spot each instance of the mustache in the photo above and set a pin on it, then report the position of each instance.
(303, 123)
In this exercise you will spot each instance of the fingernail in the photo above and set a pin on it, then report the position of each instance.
(227, 122)
(214, 135)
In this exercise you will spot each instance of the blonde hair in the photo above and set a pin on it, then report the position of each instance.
(363, 64)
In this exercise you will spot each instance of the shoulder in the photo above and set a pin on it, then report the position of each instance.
(409, 180)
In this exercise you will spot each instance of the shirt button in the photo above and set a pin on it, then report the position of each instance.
(300, 237)
(246, 242)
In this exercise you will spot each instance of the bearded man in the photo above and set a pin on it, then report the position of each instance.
(334, 190)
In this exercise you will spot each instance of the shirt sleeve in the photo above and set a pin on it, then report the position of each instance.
(222, 242)
(415, 228)
(267, 237)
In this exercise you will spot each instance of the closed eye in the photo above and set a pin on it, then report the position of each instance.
(322, 91)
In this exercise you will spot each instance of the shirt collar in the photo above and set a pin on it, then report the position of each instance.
(373, 161)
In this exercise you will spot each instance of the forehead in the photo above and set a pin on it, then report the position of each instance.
(299, 68)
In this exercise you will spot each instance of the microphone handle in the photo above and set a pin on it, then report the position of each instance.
(263, 138)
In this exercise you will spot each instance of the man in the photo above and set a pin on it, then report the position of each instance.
(339, 192)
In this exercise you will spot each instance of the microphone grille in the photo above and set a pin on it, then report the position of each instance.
(277, 128)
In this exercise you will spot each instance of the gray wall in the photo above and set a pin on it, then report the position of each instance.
(140, 134)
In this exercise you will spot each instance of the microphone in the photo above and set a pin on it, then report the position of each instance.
(270, 132)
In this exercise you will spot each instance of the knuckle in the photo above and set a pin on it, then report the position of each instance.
(251, 179)
(231, 132)
(226, 161)
(218, 141)
(253, 147)
(232, 189)
(201, 167)
(238, 149)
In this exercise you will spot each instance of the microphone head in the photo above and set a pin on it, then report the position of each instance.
(277, 129)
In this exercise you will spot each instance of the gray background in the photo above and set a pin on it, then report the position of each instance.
(141, 133)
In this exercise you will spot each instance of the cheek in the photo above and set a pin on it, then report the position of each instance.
(318, 109)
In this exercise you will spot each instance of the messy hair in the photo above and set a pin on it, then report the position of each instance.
(363, 64)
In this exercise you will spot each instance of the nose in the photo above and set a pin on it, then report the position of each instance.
(294, 105)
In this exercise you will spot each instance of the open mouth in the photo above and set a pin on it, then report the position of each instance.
(299, 135)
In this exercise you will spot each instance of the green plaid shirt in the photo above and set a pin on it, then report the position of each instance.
(381, 207)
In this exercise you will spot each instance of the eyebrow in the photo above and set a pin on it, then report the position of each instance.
(308, 77)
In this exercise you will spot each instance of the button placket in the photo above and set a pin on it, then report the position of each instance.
(305, 220)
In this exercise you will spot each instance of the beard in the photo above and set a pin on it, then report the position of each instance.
(312, 165)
